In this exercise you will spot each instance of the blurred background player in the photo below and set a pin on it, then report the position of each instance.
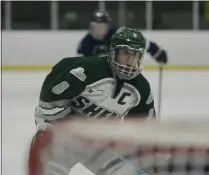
(117, 90)
(97, 39)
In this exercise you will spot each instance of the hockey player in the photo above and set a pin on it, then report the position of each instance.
(97, 39)
(109, 87)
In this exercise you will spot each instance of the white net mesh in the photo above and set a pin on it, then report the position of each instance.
(174, 147)
(165, 148)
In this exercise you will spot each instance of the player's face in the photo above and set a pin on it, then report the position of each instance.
(99, 30)
(127, 57)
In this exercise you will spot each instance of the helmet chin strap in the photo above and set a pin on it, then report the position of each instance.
(118, 81)
(118, 85)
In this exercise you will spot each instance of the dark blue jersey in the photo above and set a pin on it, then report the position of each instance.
(89, 46)
(92, 47)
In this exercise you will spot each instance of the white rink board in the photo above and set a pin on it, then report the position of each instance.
(48, 47)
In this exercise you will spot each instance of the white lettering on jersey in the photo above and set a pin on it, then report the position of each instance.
(60, 88)
(79, 73)
(96, 100)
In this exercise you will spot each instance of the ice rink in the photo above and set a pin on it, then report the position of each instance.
(184, 94)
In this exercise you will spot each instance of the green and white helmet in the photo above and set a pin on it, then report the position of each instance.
(130, 39)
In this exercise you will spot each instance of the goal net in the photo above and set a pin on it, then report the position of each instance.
(154, 148)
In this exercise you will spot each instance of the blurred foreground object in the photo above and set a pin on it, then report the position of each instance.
(169, 147)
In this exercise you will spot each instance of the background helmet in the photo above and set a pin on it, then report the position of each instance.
(131, 39)
(101, 16)
(99, 24)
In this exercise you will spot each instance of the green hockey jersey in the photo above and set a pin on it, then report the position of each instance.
(87, 87)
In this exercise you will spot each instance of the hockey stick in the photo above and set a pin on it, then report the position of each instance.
(160, 90)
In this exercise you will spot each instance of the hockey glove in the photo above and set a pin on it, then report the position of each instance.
(161, 57)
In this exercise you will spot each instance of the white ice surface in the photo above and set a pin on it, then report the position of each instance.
(185, 94)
